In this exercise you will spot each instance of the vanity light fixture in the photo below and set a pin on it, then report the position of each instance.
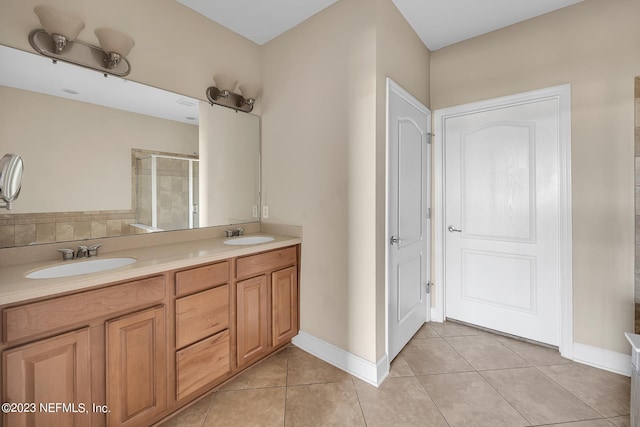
(58, 41)
(225, 84)
(222, 93)
(62, 27)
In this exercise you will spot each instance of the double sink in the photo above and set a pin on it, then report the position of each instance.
(103, 264)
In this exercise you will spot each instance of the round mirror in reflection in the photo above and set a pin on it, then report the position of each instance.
(11, 168)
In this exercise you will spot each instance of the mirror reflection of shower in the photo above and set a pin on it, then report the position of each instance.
(166, 192)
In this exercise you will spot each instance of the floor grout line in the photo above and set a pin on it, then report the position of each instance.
(206, 413)
(364, 418)
(570, 392)
(286, 388)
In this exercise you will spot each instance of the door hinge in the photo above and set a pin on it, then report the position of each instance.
(427, 287)
(428, 213)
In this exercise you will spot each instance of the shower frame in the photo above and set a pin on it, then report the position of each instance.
(154, 185)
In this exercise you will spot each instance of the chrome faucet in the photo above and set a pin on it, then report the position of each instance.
(67, 254)
(93, 250)
(83, 251)
(234, 232)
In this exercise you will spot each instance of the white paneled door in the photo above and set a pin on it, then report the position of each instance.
(502, 218)
(408, 174)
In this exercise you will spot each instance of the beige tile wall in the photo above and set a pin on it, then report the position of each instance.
(27, 229)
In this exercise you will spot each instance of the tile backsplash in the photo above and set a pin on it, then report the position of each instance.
(29, 229)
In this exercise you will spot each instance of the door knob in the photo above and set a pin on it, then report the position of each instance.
(396, 240)
(453, 230)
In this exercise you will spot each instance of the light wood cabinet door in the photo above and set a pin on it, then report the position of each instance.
(136, 368)
(55, 370)
(284, 305)
(251, 318)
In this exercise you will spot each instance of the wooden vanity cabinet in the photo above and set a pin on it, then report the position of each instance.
(87, 348)
(141, 349)
(266, 303)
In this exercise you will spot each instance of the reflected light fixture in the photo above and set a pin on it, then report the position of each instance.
(222, 93)
(58, 41)
(116, 44)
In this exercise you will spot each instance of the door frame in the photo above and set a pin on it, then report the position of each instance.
(392, 86)
(562, 94)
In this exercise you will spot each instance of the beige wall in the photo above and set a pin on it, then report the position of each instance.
(594, 46)
(402, 56)
(229, 165)
(324, 158)
(318, 153)
(176, 48)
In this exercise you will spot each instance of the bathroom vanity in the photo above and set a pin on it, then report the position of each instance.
(130, 346)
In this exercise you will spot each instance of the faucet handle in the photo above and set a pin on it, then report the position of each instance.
(93, 250)
(229, 232)
(67, 254)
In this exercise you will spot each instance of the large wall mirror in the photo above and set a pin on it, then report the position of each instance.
(108, 157)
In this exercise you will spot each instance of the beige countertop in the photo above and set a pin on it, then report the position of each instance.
(15, 287)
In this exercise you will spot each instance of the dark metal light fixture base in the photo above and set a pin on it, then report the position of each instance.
(78, 53)
(234, 101)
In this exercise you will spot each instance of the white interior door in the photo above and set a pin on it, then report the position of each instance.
(502, 218)
(408, 174)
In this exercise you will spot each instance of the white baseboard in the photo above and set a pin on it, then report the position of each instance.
(375, 373)
(608, 360)
(372, 373)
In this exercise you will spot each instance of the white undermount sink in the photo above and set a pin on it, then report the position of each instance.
(80, 267)
(249, 240)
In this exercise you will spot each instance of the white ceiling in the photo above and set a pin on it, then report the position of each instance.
(258, 20)
(439, 23)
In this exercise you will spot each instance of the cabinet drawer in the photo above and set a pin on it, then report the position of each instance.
(255, 264)
(202, 314)
(198, 279)
(40, 317)
(202, 363)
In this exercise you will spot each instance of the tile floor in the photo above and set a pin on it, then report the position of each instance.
(448, 375)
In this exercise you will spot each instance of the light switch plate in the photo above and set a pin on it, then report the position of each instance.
(265, 212)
